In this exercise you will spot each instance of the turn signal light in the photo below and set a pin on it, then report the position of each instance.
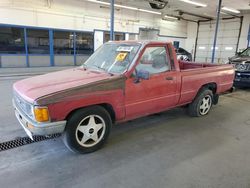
(41, 114)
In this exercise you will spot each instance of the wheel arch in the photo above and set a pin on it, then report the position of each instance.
(108, 107)
(211, 86)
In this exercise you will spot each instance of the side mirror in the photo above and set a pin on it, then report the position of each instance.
(141, 74)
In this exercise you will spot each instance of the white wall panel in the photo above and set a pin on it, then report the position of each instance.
(98, 39)
(39, 60)
(204, 34)
(202, 54)
(13, 61)
(233, 25)
(244, 32)
(232, 40)
(63, 60)
(172, 39)
(227, 38)
(191, 37)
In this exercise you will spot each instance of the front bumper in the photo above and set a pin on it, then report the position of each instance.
(242, 79)
(32, 127)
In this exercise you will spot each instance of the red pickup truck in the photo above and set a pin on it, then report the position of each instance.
(119, 82)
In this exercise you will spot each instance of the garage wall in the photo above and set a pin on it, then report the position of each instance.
(82, 15)
(227, 39)
(191, 37)
(243, 43)
(182, 41)
(78, 15)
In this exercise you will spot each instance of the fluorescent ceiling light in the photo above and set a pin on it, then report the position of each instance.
(125, 7)
(202, 47)
(230, 10)
(170, 17)
(221, 12)
(228, 48)
(99, 2)
(148, 11)
(194, 3)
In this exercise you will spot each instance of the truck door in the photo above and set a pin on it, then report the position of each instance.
(159, 92)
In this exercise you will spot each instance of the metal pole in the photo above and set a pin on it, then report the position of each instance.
(74, 46)
(51, 47)
(112, 18)
(238, 41)
(26, 47)
(216, 29)
(196, 40)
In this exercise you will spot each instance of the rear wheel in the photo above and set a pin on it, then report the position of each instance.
(201, 104)
(87, 129)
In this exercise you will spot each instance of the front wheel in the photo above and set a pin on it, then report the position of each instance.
(201, 104)
(87, 129)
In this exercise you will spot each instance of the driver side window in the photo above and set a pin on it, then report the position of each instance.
(154, 60)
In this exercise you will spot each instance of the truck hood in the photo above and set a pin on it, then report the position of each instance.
(39, 86)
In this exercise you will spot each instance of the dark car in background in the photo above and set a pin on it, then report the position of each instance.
(241, 63)
(182, 54)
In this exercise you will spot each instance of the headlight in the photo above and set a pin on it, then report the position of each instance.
(41, 114)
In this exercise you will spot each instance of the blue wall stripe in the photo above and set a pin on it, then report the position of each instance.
(51, 47)
(74, 48)
(26, 47)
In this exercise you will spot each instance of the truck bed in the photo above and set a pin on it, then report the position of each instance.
(195, 75)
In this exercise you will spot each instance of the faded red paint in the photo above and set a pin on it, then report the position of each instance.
(65, 91)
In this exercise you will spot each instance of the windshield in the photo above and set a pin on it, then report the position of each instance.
(246, 52)
(113, 57)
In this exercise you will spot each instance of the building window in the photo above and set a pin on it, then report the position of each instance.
(12, 40)
(38, 41)
(63, 42)
(84, 43)
(118, 36)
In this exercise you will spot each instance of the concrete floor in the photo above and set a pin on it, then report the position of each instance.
(170, 149)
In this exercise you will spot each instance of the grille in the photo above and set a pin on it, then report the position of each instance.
(23, 105)
(24, 141)
(242, 67)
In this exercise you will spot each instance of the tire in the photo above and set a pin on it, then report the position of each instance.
(202, 103)
(87, 129)
(216, 99)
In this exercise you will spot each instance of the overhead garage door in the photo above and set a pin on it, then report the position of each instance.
(227, 39)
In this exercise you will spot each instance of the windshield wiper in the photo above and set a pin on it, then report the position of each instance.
(98, 67)
(103, 69)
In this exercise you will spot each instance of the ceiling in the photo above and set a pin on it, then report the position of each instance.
(174, 6)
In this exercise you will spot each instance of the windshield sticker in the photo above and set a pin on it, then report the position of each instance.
(124, 48)
(121, 56)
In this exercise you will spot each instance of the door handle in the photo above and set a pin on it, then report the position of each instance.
(169, 78)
